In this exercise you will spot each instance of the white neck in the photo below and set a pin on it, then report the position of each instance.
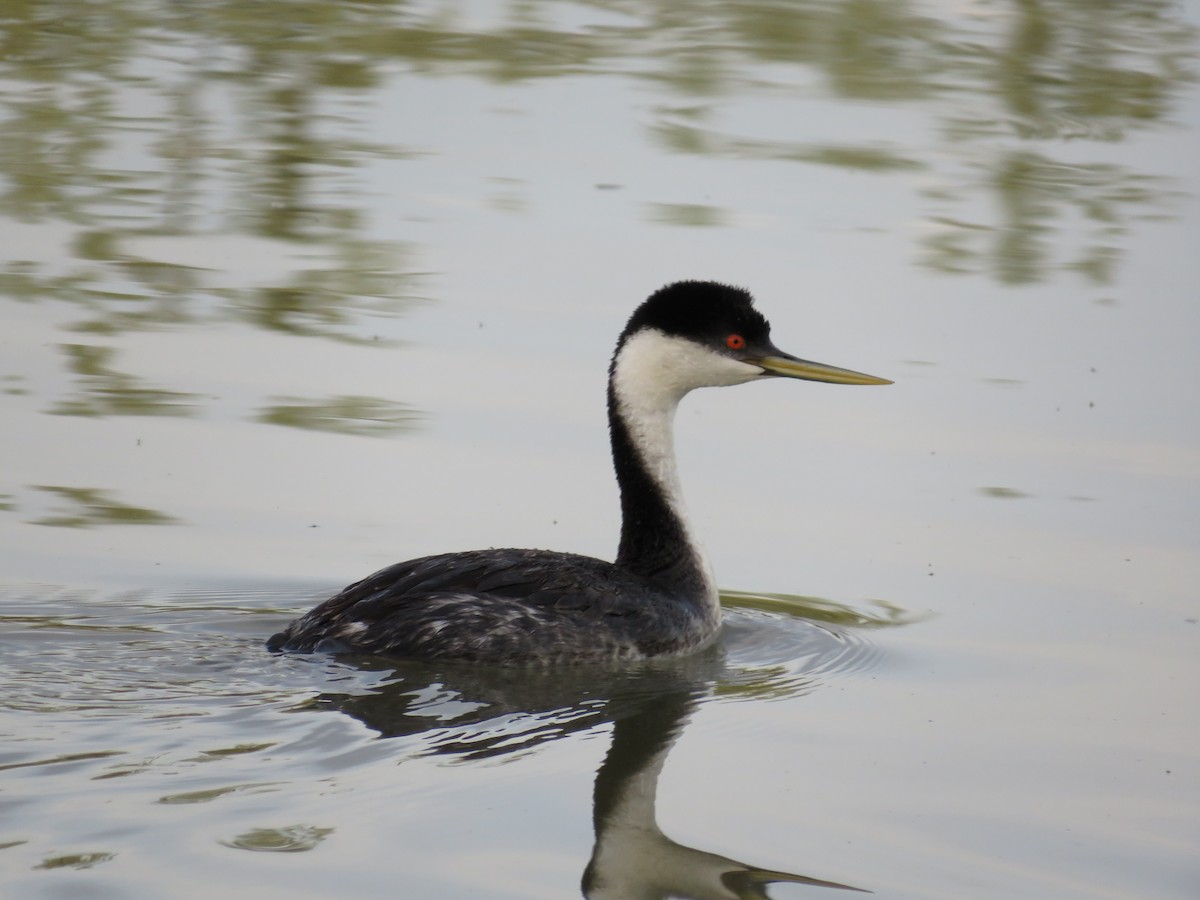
(652, 373)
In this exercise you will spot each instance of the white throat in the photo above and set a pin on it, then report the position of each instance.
(653, 372)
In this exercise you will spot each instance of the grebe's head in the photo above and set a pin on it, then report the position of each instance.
(694, 334)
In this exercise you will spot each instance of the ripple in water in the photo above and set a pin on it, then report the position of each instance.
(200, 655)
(71, 651)
(778, 645)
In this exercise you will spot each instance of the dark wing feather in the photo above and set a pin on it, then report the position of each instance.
(498, 606)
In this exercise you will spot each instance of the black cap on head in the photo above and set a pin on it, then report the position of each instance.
(704, 311)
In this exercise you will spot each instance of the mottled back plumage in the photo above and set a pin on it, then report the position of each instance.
(499, 606)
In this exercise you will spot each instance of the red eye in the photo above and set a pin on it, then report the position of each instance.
(735, 342)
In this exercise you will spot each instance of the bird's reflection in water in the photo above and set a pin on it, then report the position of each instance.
(473, 713)
(632, 859)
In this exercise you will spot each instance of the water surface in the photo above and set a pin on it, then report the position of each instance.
(288, 297)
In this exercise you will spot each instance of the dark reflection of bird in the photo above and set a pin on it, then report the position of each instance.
(471, 713)
(658, 597)
(632, 859)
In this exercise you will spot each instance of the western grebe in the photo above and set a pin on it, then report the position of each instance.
(540, 606)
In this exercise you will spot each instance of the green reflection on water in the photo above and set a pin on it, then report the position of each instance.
(290, 839)
(773, 680)
(693, 215)
(62, 758)
(1003, 493)
(1032, 192)
(236, 750)
(204, 796)
(1034, 74)
(11, 385)
(75, 861)
(105, 392)
(819, 609)
(361, 279)
(231, 133)
(147, 132)
(345, 415)
(869, 49)
(88, 507)
(686, 138)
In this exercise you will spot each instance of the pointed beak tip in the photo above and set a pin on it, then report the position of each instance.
(790, 367)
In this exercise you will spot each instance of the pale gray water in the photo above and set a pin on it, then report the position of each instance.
(289, 296)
